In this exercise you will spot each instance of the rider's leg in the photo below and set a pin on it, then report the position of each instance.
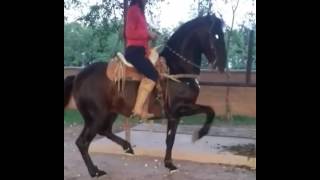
(141, 106)
(136, 56)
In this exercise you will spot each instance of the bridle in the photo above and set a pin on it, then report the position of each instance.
(213, 18)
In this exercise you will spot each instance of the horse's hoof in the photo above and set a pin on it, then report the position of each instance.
(129, 152)
(135, 116)
(98, 173)
(173, 171)
(172, 168)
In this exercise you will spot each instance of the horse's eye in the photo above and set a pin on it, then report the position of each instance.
(216, 36)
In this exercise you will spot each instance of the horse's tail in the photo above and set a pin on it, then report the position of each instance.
(68, 85)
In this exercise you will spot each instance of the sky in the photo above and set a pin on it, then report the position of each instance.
(175, 11)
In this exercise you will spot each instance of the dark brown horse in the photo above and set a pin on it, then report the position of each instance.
(99, 101)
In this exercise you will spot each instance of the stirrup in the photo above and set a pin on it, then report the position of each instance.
(148, 116)
(140, 117)
(134, 116)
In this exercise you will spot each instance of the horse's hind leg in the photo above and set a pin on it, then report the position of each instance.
(88, 133)
(107, 131)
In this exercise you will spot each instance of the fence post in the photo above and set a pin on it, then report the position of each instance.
(127, 130)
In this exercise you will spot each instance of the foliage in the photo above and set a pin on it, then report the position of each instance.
(84, 45)
(238, 50)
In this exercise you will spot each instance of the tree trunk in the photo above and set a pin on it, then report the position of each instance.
(228, 106)
(125, 10)
(126, 125)
(249, 62)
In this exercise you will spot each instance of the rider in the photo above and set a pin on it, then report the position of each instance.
(137, 37)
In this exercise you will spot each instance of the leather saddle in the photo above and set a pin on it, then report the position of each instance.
(120, 69)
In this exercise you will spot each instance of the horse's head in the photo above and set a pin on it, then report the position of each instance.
(212, 42)
(202, 35)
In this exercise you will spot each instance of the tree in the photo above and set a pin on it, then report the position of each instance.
(84, 44)
(106, 13)
(204, 7)
(70, 4)
(96, 36)
(228, 106)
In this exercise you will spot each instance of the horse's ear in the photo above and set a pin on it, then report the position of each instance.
(210, 16)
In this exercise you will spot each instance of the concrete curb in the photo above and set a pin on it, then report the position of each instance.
(236, 132)
(205, 150)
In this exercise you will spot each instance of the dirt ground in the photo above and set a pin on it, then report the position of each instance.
(120, 167)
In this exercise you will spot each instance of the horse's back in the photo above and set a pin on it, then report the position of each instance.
(91, 77)
(93, 69)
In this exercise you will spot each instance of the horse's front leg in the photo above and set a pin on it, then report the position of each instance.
(171, 133)
(192, 109)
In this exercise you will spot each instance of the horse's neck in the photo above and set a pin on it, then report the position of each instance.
(192, 53)
(189, 49)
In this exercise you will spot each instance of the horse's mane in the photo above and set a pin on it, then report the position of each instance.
(184, 31)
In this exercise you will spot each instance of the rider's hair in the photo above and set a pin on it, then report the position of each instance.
(140, 4)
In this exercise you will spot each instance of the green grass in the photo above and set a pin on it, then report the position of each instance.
(243, 120)
(74, 117)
